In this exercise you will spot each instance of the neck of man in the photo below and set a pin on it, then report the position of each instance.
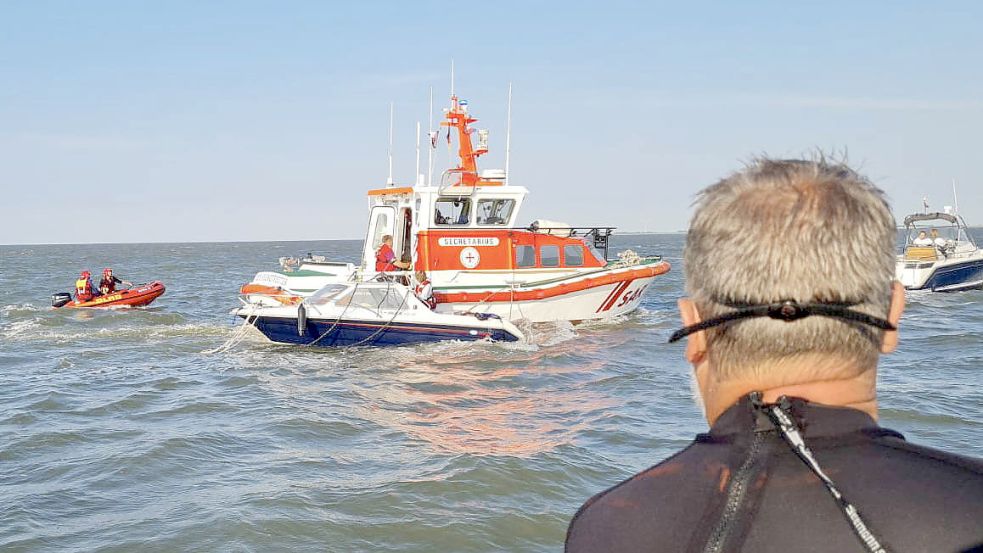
(816, 379)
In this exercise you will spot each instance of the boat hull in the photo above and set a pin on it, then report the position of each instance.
(603, 295)
(327, 334)
(938, 277)
(138, 296)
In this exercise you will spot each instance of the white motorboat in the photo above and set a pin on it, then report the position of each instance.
(939, 254)
(380, 312)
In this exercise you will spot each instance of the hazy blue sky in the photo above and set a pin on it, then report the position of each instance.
(177, 121)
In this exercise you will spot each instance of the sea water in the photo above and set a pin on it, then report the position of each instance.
(118, 434)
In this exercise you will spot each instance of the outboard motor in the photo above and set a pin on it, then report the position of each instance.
(60, 299)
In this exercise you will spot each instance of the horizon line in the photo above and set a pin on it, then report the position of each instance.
(627, 232)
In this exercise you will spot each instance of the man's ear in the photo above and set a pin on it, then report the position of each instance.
(696, 343)
(890, 340)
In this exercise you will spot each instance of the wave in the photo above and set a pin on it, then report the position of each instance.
(24, 331)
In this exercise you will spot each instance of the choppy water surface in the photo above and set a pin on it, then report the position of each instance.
(117, 434)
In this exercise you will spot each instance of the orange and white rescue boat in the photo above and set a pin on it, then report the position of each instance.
(463, 231)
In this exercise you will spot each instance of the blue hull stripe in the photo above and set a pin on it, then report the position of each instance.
(284, 330)
(956, 277)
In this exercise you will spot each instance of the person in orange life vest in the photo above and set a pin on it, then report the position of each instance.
(424, 290)
(83, 287)
(385, 257)
(108, 283)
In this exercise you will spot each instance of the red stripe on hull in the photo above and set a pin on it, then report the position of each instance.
(614, 297)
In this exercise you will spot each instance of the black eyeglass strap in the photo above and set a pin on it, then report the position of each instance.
(788, 311)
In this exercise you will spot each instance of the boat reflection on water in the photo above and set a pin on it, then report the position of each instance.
(475, 398)
(459, 409)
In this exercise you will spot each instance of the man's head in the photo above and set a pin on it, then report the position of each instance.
(935, 233)
(809, 231)
(921, 234)
(387, 239)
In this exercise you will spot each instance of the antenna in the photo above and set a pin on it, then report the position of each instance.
(430, 138)
(955, 200)
(508, 135)
(417, 175)
(452, 77)
(389, 181)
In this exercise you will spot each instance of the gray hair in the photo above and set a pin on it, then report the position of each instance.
(790, 229)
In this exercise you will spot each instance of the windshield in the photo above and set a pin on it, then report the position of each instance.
(389, 298)
(326, 294)
(494, 212)
(452, 211)
(935, 235)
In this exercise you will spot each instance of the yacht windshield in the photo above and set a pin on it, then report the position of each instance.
(378, 298)
(326, 294)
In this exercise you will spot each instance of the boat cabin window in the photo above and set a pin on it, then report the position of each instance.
(452, 211)
(525, 256)
(494, 211)
(573, 255)
(381, 228)
(549, 256)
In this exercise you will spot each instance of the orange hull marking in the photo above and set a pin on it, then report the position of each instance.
(551, 292)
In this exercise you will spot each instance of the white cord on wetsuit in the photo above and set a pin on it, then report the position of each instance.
(791, 435)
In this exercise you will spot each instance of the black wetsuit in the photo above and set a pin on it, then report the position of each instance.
(742, 488)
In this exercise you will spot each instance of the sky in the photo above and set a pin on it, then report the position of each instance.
(144, 121)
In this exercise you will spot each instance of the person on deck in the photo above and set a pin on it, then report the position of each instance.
(385, 257)
(784, 332)
(937, 240)
(108, 283)
(922, 239)
(424, 290)
(84, 291)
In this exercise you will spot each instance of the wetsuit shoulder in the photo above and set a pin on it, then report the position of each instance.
(938, 457)
(914, 498)
(648, 508)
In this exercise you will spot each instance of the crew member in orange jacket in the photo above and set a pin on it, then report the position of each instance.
(385, 257)
(83, 287)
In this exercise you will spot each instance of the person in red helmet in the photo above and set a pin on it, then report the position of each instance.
(108, 283)
(83, 287)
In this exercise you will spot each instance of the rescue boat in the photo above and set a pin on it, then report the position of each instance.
(463, 231)
(137, 296)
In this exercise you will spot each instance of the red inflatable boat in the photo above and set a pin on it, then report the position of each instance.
(137, 296)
